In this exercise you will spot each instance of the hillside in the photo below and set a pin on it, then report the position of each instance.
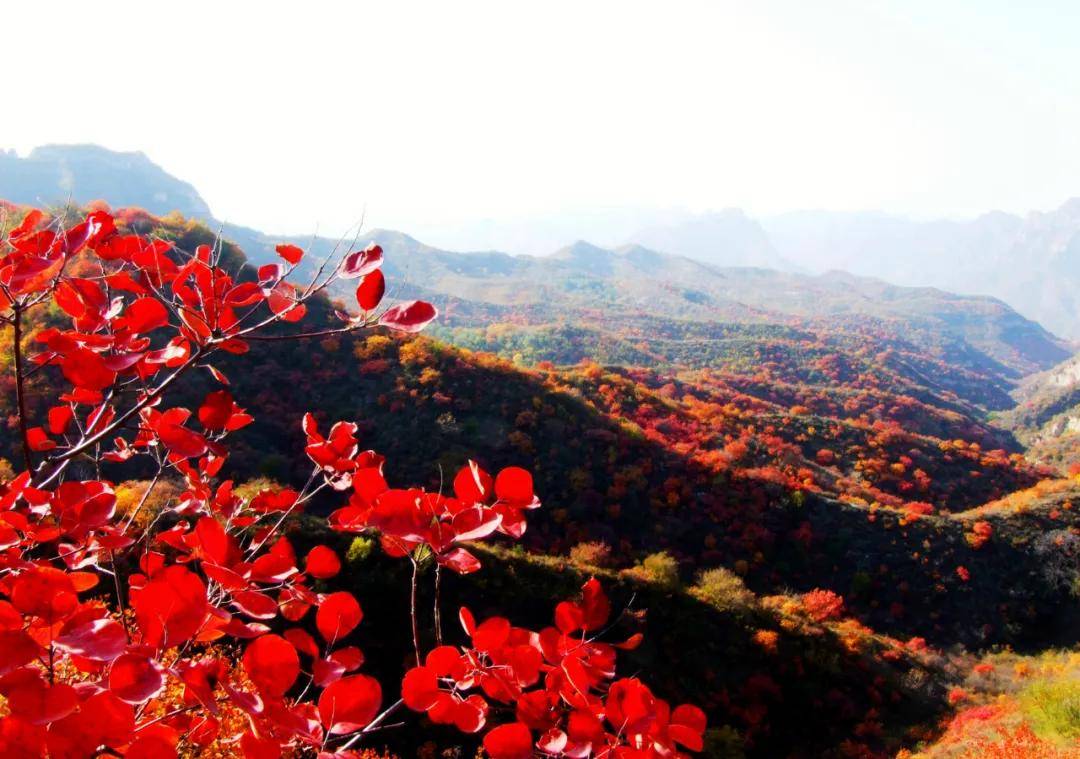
(1031, 261)
(1047, 414)
(596, 288)
(858, 514)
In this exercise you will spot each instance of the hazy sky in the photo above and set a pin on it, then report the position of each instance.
(287, 115)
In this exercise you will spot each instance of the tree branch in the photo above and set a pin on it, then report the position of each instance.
(20, 389)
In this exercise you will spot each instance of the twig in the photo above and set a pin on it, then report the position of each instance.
(20, 390)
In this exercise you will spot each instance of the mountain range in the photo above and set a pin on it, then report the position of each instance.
(1030, 262)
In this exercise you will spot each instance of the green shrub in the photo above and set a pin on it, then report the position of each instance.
(660, 568)
(592, 554)
(723, 590)
(1053, 709)
(359, 550)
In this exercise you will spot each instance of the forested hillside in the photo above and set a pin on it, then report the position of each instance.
(814, 494)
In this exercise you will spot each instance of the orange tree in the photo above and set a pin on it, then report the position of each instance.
(144, 637)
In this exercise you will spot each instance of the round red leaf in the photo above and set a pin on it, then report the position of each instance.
(371, 290)
(290, 253)
(272, 664)
(419, 689)
(350, 703)
(515, 486)
(44, 592)
(322, 562)
(512, 741)
(409, 317)
(338, 614)
(135, 678)
(98, 639)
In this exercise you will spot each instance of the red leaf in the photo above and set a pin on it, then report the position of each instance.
(470, 715)
(135, 678)
(28, 224)
(272, 664)
(255, 747)
(255, 604)
(631, 643)
(420, 689)
(214, 542)
(171, 608)
(282, 302)
(290, 253)
(686, 726)
(595, 605)
(371, 290)
(512, 741)
(16, 649)
(350, 657)
(59, 419)
(220, 412)
(85, 369)
(156, 741)
(181, 441)
(244, 294)
(472, 484)
(515, 486)
(99, 639)
(460, 560)
(350, 704)
(44, 592)
(39, 703)
(270, 273)
(568, 617)
(475, 523)
(144, 315)
(412, 316)
(338, 615)
(322, 562)
(492, 634)
(362, 262)
(326, 671)
(468, 621)
(443, 660)
(302, 641)
(552, 742)
(38, 440)
(21, 740)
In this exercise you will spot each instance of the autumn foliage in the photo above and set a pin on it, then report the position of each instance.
(200, 627)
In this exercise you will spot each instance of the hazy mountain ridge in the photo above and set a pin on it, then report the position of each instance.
(53, 174)
(1031, 262)
(724, 238)
(584, 277)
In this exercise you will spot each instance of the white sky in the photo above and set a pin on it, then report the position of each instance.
(288, 115)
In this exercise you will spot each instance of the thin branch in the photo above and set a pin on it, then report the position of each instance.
(62, 460)
(20, 389)
(373, 724)
(412, 610)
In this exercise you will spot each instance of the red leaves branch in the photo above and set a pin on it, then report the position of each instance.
(82, 678)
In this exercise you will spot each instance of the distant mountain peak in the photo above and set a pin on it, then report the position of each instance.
(581, 249)
(720, 238)
(86, 150)
(55, 174)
